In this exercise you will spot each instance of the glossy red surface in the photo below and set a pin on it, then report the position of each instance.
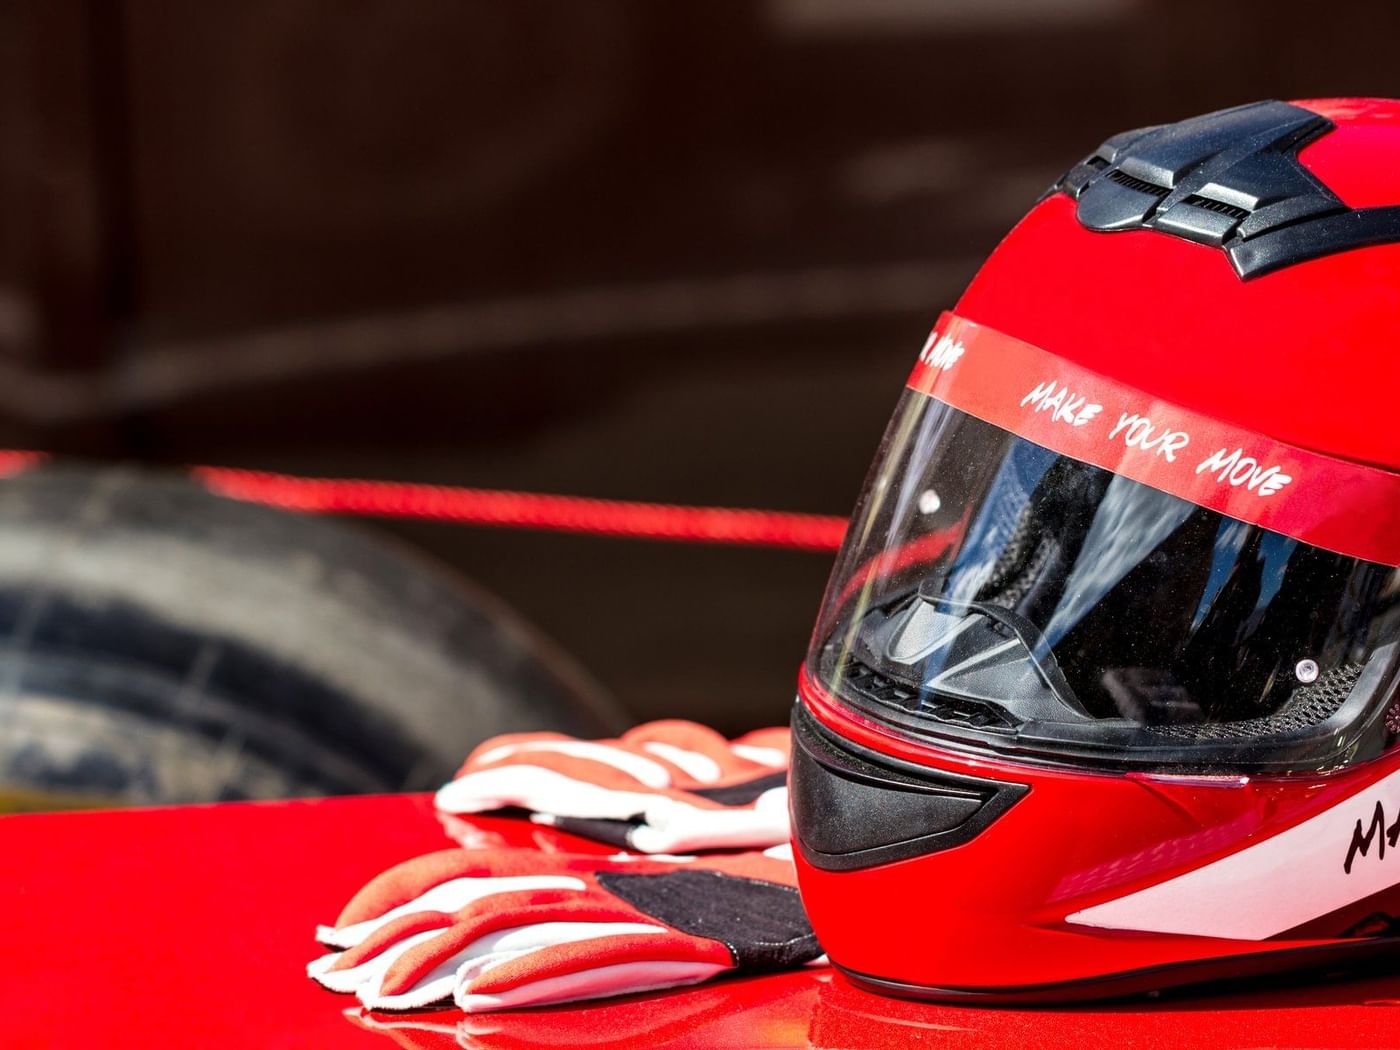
(1367, 128)
(192, 926)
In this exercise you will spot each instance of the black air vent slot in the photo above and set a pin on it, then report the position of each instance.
(953, 710)
(1217, 206)
(1141, 185)
(878, 687)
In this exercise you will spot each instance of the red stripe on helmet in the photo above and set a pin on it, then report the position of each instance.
(1346, 507)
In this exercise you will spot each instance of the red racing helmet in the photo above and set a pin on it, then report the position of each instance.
(1103, 693)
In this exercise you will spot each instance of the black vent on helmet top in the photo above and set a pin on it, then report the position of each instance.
(1231, 180)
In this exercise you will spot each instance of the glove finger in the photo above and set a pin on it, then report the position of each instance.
(390, 933)
(507, 911)
(453, 963)
(708, 759)
(658, 755)
(604, 964)
(768, 747)
(494, 748)
(363, 979)
(735, 819)
(407, 881)
(437, 959)
(600, 983)
(450, 896)
(553, 797)
(703, 755)
(603, 761)
(672, 826)
(538, 787)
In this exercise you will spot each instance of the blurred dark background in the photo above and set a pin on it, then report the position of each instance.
(659, 251)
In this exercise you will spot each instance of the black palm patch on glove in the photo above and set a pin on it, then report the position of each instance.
(762, 923)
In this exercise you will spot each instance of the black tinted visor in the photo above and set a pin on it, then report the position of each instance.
(999, 596)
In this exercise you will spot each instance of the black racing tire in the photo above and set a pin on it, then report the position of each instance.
(161, 644)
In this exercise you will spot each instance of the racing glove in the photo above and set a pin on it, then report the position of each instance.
(496, 929)
(663, 787)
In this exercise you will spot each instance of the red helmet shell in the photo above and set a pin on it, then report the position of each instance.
(1095, 883)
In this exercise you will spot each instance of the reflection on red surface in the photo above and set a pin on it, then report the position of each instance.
(1317, 1014)
(822, 1011)
(758, 1012)
(192, 926)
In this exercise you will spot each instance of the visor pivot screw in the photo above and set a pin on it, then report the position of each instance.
(929, 502)
(1307, 671)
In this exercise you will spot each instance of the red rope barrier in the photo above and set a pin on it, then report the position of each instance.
(498, 507)
(653, 521)
(14, 462)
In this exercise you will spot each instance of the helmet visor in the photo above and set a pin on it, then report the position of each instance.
(996, 595)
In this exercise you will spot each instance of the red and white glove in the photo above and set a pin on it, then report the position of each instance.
(495, 929)
(663, 787)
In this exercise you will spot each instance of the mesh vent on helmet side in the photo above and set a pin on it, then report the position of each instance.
(1306, 708)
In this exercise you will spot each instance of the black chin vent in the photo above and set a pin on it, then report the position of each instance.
(853, 808)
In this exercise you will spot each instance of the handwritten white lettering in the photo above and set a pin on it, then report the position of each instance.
(1063, 404)
(1140, 432)
(941, 352)
(1236, 469)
